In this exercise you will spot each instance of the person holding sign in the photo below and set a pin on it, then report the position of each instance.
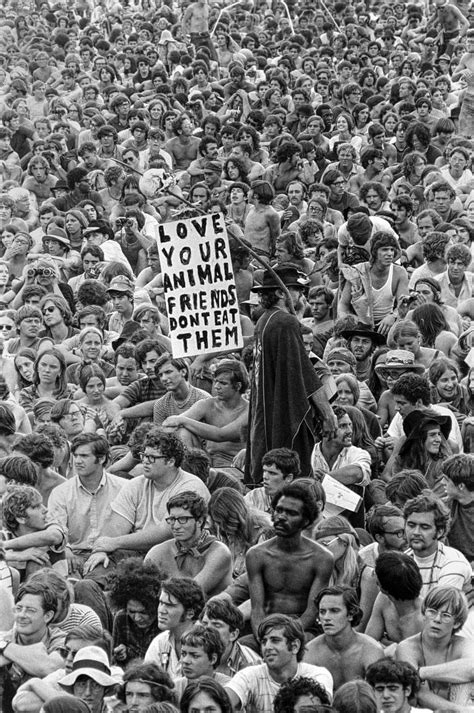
(285, 386)
(347, 464)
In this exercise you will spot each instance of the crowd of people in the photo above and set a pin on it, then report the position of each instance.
(285, 528)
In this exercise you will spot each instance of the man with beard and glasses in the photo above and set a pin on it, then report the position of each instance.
(285, 387)
(286, 572)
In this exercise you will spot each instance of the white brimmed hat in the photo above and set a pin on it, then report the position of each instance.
(90, 661)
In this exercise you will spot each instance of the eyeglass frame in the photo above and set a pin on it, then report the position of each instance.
(172, 520)
(150, 457)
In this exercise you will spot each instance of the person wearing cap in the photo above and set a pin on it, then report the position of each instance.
(283, 377)
(99, 233)
(121, 292)
(373, 290)
(91, 678)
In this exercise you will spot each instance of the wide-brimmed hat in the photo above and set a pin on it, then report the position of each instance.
(99, 226)
(399, 360)
(129, 329)
(289, 275)
(416, 420)
(90, 661)
(55, 233)
(363, 330)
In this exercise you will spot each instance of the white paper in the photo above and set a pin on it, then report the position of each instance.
(339, 496)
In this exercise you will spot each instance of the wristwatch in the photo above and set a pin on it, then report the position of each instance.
(3, 645)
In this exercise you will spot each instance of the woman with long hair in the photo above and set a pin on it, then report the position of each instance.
(340, 538)
(92, 382)
(348, 394)
(361, 437)
(49, 380)
(446, 388)
(434, 329)
(424, 448)
(236, 525)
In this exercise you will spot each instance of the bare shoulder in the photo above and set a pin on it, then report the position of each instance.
(463, 647)
(369, 644)
(315, 645)
(258, 552)
(409, 650)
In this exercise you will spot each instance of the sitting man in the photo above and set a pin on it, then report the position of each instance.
(441, 656)
(343, 651)
(180, 395)
(201, 653)
(179, 606)
(394, 684)
(192, 552)
(282, 644)
(300, 695)
(227, 619)
(286, 573)
(220, 419)
(139, 512)
(459, 473)
(90, 679)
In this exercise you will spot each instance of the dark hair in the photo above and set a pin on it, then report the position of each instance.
(292, 630)
(291, 690)
(7, 420)
(212, 688)
(189, 501)
(388, 670)
(431, 321)
(398, 575)
(285, 459)
(460, 469)
(87, 372)
(92, 292)
(187, 592)
(38, 448)
(428, 502)
(225, 611)
(412, 387)
(406, 484)
(206, 637)
(19, 469)
(377, 515)
(310, 509)
(49, 599)
(134, 579)
(99, 444)
(168, 443)
(349, 598)
(161, 684)
(15, 503)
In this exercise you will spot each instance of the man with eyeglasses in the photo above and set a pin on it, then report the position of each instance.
(193, 552)
(82, 505)
(139, 511)
(443, 658)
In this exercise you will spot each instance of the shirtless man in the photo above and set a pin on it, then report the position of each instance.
(451, 23)
(442, 657)
(287, 572)
(262, 225)
(195, 23)
(345, 653)
(397, 610)
(183, 147)
(220, 419)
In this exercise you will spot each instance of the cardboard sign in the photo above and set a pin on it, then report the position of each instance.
(199, 286)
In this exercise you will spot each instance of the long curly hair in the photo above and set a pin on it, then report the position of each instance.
(233, 521)
(132, 579)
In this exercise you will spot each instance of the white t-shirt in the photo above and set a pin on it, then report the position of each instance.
(447, 567)
(256, 689)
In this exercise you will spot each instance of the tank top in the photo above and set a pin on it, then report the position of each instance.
(383, 298)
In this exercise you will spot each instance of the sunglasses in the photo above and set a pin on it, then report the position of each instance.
(48, 310)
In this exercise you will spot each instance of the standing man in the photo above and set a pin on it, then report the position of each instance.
(343, 651)
(283, 378)
(286, 573)
(195, 23)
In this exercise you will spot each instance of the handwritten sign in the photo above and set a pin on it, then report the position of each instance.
(339, 497)
(199, 286)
